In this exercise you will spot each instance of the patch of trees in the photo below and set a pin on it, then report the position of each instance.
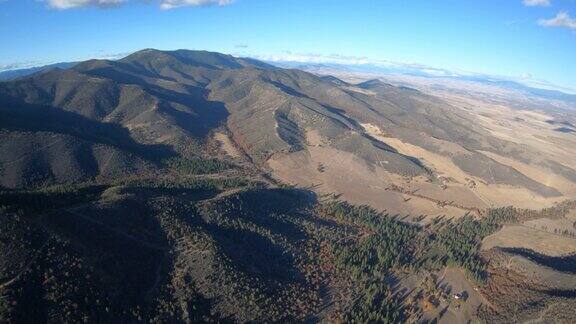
(49, 197)
(383, 245)
(459, 244)
(251, 244)
(501, 216)
(558, 211)
(197, 165)
(187, 184)
(387, 242)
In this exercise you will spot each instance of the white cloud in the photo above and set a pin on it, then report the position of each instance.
(534, 3)
(288, 56)
(20, 65)
(164, 4)
(112, 56)
(392, 67)
(562, 19)
(171, 4)
(313, 58)
(70, 4)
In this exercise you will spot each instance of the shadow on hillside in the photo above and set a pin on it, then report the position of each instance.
(262, 242)
(565, 264)
(18, 116)
(191, 111)
(128, 251)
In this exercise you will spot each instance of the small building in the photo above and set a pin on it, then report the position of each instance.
(463, 295)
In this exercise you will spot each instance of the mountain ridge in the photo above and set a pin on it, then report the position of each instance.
(187, 94)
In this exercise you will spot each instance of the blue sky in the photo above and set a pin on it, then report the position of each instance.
(530, 39)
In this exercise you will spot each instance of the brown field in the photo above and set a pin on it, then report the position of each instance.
(459, 310)
(227, 145)
(523, 236)
(359, 183)
(542, 274)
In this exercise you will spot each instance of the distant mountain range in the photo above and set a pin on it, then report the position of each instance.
(549, 94)
(439, 74)
(141, 109)
(17, 73)
(539, 92)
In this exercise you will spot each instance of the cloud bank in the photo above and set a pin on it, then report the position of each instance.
(311, 61)
(164, 4)
(536, 3)
(171, 4)
(20, 65)
(562, 19)
(313, 58)
(70, 4)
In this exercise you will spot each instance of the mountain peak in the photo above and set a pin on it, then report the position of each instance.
(374, 83)
(197, 58)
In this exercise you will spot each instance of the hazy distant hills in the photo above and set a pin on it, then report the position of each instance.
(437, 74)
(538, 92)
(17, 73)
(367, 68)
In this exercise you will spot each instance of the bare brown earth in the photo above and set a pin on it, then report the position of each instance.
(437, 295)
(523, 236)
(542, 274)
(228, 146)
(502, 195)
(519, 291)
(505, 116)
(329, 170)
(452, 190)
(463, 309)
